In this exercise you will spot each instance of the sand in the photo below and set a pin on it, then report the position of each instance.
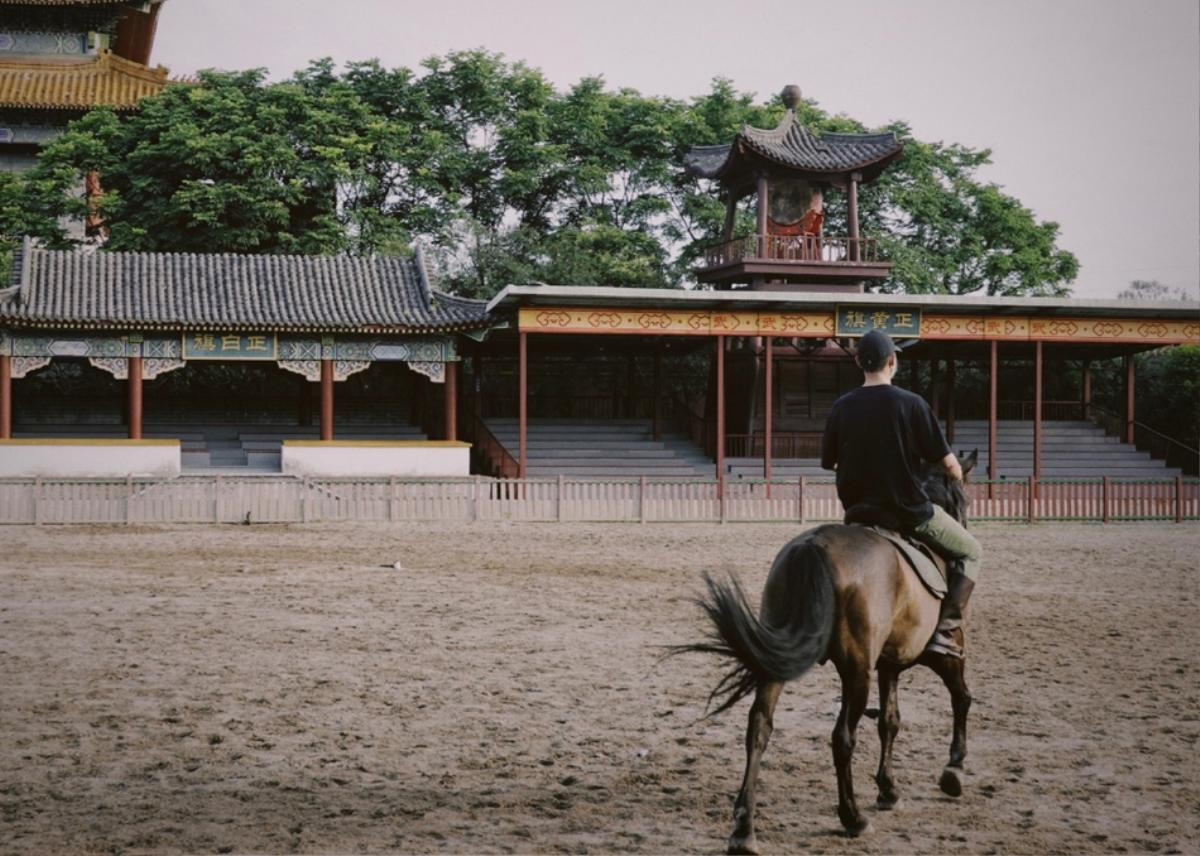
(272, 689)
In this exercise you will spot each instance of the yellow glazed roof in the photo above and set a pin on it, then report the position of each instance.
(107, 79)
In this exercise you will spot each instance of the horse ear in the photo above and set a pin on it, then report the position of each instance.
(969, 461)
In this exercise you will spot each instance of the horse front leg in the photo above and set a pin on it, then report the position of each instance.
(952, 671)
(889, 725)
(856, 683)
(758, 732)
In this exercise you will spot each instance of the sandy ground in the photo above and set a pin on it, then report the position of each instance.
(286, 689)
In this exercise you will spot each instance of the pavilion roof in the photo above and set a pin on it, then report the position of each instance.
(79, 85)
(793, 146)
(136, 291)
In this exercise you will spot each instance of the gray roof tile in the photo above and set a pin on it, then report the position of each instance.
(185, 290)
(791, 144)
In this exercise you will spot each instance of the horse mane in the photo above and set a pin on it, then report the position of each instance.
(946, 492)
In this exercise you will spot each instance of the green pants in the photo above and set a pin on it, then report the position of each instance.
(950, 538)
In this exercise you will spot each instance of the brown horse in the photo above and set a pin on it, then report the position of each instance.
(839, 593)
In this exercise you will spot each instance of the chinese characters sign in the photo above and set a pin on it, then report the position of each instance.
(857, 320)
(229, 346)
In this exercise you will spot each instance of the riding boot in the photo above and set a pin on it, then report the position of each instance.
(951, 618)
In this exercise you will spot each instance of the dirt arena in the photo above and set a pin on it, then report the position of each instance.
(270, 689)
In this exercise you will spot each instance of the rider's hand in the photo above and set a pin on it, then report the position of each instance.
(953, 467)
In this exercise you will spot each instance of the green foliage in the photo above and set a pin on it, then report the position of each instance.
(509, 179)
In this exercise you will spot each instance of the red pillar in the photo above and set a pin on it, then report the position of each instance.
(656, 404)
(5, 397)
(1037, 412)
(768, 408)
(720, 456)
(763, 249)
(326, 399)
(950, 399)
(135, 397)
(1129, 390)
(852, 216)
(1086, 393)
(523, 404)
(451, 394)
(993, 377)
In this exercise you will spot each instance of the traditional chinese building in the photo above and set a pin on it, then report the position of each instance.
(309, 324)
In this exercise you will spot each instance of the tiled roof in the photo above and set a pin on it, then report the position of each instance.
(94, 289)
(792, 145)
(78, 85)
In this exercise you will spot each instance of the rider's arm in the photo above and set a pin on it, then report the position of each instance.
(953, 467)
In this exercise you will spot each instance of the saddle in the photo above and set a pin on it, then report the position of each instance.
(930, 567)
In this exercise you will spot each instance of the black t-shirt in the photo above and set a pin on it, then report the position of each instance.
(878, 437)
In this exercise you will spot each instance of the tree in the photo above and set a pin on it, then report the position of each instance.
(1152, 289)
(508, 179)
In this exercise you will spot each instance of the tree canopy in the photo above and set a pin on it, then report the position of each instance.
(506, 178)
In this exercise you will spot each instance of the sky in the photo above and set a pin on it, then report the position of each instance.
(1091, 107)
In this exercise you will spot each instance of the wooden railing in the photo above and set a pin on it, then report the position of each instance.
(573, 406)
(692, 425)
(815, 249)
(287, 499)
(785, 445)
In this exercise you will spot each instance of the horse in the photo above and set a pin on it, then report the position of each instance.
(839, 593)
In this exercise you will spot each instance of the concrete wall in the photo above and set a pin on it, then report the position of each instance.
(94, 458)
(333, 458)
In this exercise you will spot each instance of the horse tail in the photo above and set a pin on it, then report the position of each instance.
(787, 643)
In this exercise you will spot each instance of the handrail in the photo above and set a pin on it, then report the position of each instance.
(1142, 425)
(498, 459)
(819, 249)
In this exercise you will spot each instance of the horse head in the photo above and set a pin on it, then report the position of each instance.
(947, 492)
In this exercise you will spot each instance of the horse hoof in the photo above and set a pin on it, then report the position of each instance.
(951, 782)
(741, 845)
(859, 826)
(887, 803)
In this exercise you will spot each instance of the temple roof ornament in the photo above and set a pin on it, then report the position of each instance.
(794, 147)
(187, 291)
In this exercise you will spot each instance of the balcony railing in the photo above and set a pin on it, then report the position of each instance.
(814, 249)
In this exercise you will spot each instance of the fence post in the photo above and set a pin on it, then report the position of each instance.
(1029, 498)
(305, 499)
(128, 499)
(216, 506)
(1105, 494)
(721, 496)
(642, 499)
(37, 501)
(800, 499)
(1178, 499)
(558, 499)
(392, 499)
(475, 498)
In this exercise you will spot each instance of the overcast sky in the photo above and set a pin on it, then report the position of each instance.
(1090, 107)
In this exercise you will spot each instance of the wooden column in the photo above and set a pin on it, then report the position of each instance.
(6, 408)
(730, 217)
(1037, 412)
(993, 378)
(477, 386)
(326, 399)
(1129, 395)
(720, 455)
(852, 216)
(950, 399)
(135, 397)
(762, 217)
(768, 409)
(656, 406)
(1085, 395)
(522, 404)
(451, 396)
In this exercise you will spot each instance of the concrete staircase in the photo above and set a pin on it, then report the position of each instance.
(613, 448)
(1069, 450)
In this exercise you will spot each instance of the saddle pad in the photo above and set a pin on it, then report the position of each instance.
(919, 557)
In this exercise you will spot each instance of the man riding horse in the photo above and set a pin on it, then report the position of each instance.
(877, 438)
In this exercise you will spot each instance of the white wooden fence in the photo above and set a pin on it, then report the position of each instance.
(286, 499)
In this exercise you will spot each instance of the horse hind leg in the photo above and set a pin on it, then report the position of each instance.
(952, 671)
(856, 685)
(758, 732)
(889, 726)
